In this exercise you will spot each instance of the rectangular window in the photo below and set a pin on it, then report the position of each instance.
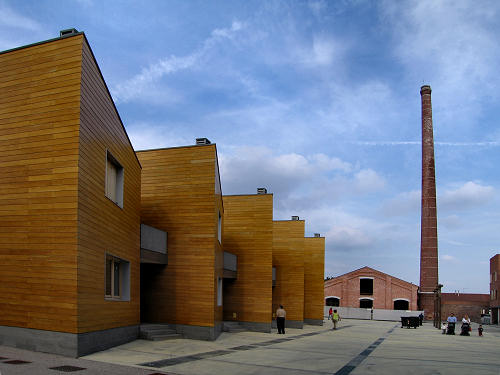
(117, 278)
(219, 291)
(114, 179)
(366, 287)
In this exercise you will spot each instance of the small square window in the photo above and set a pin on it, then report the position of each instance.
(114, 179)
(117, 278)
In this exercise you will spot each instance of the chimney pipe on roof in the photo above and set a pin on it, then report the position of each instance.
(67, 32)
(295, 218)
(202, 141)
(317, 235)
(261, 190)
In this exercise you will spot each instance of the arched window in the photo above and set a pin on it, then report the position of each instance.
(365, 303)
(401, 304)
(332, 301)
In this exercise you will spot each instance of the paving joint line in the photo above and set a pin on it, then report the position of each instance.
(217, 353)
(356, 361)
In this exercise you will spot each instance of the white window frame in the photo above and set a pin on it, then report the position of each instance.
(123, 293)
(114, 193)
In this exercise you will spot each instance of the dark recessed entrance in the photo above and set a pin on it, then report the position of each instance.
(332, 301)
(401, 304)
(365, 303)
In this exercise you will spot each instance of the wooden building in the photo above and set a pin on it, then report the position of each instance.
(181, 195)
(248, 234)
(83, 230)
(288, 261)
(314, 266)
(69, 203)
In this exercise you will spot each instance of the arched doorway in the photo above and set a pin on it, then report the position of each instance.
(365, 303)
(332, 301)
(401, 304)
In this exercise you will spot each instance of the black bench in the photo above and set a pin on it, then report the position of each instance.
(410, 321)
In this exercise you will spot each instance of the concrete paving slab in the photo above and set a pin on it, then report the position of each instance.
(357, 347)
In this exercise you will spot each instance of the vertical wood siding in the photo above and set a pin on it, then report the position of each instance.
(314, 266)
(178, 196)
(39, 116)
(288, 258)
(103, 226)
(248, 233)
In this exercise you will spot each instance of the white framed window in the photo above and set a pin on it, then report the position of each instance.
(117, 278)
(219, 228)
(219, 291)
(114, 179)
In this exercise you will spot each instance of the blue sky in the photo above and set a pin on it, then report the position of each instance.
(319, 102)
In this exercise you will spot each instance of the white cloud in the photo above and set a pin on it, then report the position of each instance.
(146, 136)
(403, 204)
(12, 19)
(451, 44)
(469, 195)
(139, 84)
(347, 238)
(448, 258)
(367, 180)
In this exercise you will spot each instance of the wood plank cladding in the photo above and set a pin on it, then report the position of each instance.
(56, 122)
(103, 226)
(288, 258)
(179, 196)
(39, 118)
(314, 265)
(248, 233)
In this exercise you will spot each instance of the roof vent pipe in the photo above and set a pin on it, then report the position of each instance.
(261, 191)
(317, 235)
(295, 218)
(202, 141)
(67, 32)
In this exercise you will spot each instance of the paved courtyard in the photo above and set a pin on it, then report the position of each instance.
(357, 347)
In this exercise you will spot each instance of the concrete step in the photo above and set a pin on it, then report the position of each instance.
(155, 332)
(233, 327)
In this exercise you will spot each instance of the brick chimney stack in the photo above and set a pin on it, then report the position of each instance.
(428, 240)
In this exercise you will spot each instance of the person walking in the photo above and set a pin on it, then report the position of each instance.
(280, 319)
(335, 318)
(330, 313)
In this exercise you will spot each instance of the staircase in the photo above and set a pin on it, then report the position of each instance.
(229, 326)
(156, 332)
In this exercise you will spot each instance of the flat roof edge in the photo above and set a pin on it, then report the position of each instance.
(41, 42)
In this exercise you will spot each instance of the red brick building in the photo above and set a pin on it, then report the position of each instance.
(367, 287)
(494, 287)
(464, 303)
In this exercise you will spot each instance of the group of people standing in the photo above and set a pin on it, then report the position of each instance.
(448, 327)
(281, 316)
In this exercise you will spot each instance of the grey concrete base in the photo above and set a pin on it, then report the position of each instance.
(290, 324)
(257, 326)
(67, 344)
(91, 342)
(314, 322)
(198, 332)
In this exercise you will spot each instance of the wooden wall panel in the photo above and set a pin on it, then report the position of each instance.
(178, 196)
(103, 226)
(314, 269)
(39, 117)
(288, 258)
(248, 233)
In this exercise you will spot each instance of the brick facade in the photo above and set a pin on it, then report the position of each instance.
(429, 243)
(464, 303)
(494, 289)
(386, 289)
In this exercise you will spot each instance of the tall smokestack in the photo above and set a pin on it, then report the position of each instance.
(428, 239)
